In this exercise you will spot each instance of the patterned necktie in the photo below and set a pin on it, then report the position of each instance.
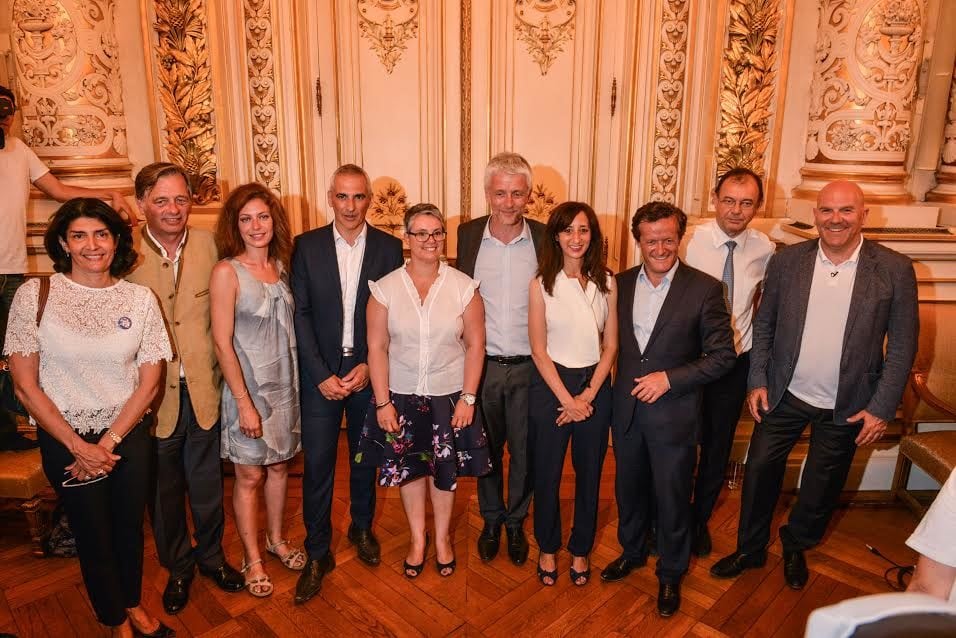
(728, 276)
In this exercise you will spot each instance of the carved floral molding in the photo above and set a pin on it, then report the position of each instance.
(948, 155)
(388, 25)
(262, 92)
(185, 93)
(748, 77)
(67, 65)
(669, 99)
(387, 211)
(540, 203)
(545, 26)
(867, 62)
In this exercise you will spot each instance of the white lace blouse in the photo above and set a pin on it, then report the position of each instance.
(91, 342)
(426, 351)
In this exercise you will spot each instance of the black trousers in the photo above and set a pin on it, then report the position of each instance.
(828, 462)
(649, 472)
(723, 400)
(588, 441)
(321, 423)
(187, 461)
(504, 408)
(8, 287)
(107, 521)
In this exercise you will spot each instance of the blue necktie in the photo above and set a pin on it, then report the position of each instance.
(728, 276)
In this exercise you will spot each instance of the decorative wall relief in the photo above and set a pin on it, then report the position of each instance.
(671, 74)
(545, 26)
(262, 92)
(388, 25)
(71, 93)
(465, 133)
(389, 204)
(867, 63)
(748, 85)
(540, 203)
(185, 93)
(948, 155)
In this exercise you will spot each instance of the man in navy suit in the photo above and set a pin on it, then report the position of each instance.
(818, 358)
(331, 267)
(675, 338)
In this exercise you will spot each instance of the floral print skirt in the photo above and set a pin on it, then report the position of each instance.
(426, 443)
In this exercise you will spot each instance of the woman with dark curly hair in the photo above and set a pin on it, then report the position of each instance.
(86, 360)
(572, 326)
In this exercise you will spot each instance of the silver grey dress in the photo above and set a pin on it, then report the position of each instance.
(264, 341)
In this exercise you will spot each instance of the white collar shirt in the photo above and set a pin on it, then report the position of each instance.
(349, 258)
(175, 259)
(648, 301)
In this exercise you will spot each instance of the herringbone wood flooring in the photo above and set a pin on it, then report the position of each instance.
(46, 597)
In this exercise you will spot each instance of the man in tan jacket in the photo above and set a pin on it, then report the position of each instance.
(176, 262)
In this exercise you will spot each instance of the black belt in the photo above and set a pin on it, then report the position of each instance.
(508, 361)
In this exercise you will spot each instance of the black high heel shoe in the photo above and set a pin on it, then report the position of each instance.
(575, 574)
(543, 573)
(413, 571)
(160, 632)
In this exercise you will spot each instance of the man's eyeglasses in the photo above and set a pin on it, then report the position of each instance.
(423, 235)
(730, 202)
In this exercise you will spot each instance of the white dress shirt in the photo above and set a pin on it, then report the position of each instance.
(705, 248)
(426, 351)
(175, 259)
(647, 303)
(505, 270)
(816, 374)
(349, 258)
(575, 319)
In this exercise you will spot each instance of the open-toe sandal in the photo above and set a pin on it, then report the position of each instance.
(446, 569)
(543, 574)
(413, 571)
(294, 558)
(575, 574)
(261, 586)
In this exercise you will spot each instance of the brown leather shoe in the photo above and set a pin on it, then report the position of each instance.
(366, 545)
(310, 581)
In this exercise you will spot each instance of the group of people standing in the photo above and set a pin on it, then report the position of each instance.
(437, 369)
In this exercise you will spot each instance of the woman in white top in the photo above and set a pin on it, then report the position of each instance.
(426, 348)
(87, 375)
(572, 325)
(933, 538)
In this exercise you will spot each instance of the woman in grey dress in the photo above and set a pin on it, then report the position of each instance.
(252, 328)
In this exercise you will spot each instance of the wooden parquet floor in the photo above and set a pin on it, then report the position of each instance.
(45, 597)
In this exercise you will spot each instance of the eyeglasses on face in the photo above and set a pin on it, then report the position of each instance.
(423, 235)
(730, 202)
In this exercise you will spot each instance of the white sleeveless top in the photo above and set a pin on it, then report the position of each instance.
(426, 352)
(575, 318)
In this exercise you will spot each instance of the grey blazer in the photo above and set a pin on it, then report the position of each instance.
(469, 241)
(883, 307)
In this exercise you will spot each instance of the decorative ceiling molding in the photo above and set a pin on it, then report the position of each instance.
(262, 93)
(185, 93)
(545, 26)
(388, 25)
(669, 106)
(748, 81)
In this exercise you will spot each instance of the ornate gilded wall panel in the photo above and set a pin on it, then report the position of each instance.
(389, 203)
(464, 48)
(545, 26)
(945, 190)
(669, 98)
(748, 78)
(388, 25)
(185, 93)
(262, 92)
(68, 77)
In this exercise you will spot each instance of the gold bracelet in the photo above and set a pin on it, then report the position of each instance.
(240, 396)
(113, 435)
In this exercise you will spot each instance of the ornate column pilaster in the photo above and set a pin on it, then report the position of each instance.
(69, 85)
(868, 54)
(945, 190)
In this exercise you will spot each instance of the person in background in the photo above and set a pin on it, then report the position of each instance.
(935, 572)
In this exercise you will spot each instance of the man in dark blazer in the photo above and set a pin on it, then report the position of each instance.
(500, 250)
(675, 338)
(331, 267)
(818, 357)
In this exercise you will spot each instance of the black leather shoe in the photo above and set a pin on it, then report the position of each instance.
(733, 565)
(368, 549)
(620, 567)
(225, 577)
(160, 632)
(668, 599)
(310, 581)
(488, 541)
(702, 542)
(517, 545)
(176, 594)
(795, 569)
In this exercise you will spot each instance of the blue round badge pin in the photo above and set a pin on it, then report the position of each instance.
(125, 323)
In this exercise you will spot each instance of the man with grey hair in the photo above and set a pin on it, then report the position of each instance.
(500, 250)
(331, 268)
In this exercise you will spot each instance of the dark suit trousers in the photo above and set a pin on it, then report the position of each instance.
(828, 462)
(188, 461)
(588, 447)
(722, 402)
(649, 472)
(504, 408)
(107, 520)
(321, 423)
